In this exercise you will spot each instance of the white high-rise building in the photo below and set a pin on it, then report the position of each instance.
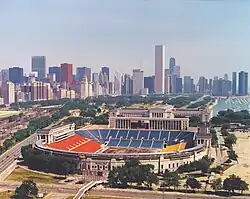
(90, 89)
(138, 81)
(84, 88)
(8, 89)
(159, 69)
(117, 84)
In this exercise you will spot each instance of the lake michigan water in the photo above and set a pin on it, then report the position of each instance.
(234, 103)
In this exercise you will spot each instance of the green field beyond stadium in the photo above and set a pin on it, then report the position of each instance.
(4, 114)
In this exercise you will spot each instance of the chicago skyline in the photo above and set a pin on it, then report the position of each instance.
(204, 36)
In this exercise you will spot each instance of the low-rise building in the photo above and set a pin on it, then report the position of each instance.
(55, 133)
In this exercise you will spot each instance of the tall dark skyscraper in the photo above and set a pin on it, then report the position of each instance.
(149, 83)
(243, 83)
(105, 70)
(171, 65)
(38, 64)
(83, 72)
(57, 71)
(234, 83)
(66, 74)
(178, 88)
(16, 75)
(188, 84)
(202, 84)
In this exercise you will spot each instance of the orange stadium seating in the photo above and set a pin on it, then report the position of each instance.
(76, 143)
(175, 147)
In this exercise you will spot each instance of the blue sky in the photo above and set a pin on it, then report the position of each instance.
(205, 37)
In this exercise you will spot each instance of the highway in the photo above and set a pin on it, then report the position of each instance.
(13, 153)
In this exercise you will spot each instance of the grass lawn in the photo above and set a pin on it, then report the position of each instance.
(21, 174)
(4, 114)
(5, 195)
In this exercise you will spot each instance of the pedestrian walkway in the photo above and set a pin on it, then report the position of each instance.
(86, 187)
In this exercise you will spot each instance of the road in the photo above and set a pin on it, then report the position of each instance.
(150, 195)
(10, 155)
(72, 189)
(13, 153)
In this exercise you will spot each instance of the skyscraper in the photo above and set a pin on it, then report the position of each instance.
(138, 81)
(83, 72)
(243, 83)
(127, 85)
(38, 64)
(117, 83)
(171, 65)
(4, 75)
(178, 88)
(95, 77)
(167, 82)
(8, 89)
(177, 71)
(202, 84)
(234, 83)
(84, 88)
(57, 71)
(105, 69)
(149, 83)
(225, 77)
(159, 69)
(66, 74)
(16, 75)
(187, 84)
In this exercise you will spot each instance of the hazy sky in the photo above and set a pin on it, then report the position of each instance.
(206, 37)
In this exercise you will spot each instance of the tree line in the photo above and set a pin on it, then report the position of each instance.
(197, 165)
(134, 174)
(230, 116)
(33, 125)
(47, 162)
(200, 104)
(116, 101)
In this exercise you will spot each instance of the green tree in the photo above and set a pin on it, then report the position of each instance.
(233, 183)
(194, 121)
(232, 155)
(216, 184)
(225, 126)
(230, 140)
(224, 132)
(214, 140)
(132, 172)
(171, 179)
(193, 183)
(27, 190)
(243, 186)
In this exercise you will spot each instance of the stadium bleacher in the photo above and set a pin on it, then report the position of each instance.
(137, 138)
(76, 143)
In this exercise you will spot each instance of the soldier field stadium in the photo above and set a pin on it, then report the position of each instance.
(160, 136)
